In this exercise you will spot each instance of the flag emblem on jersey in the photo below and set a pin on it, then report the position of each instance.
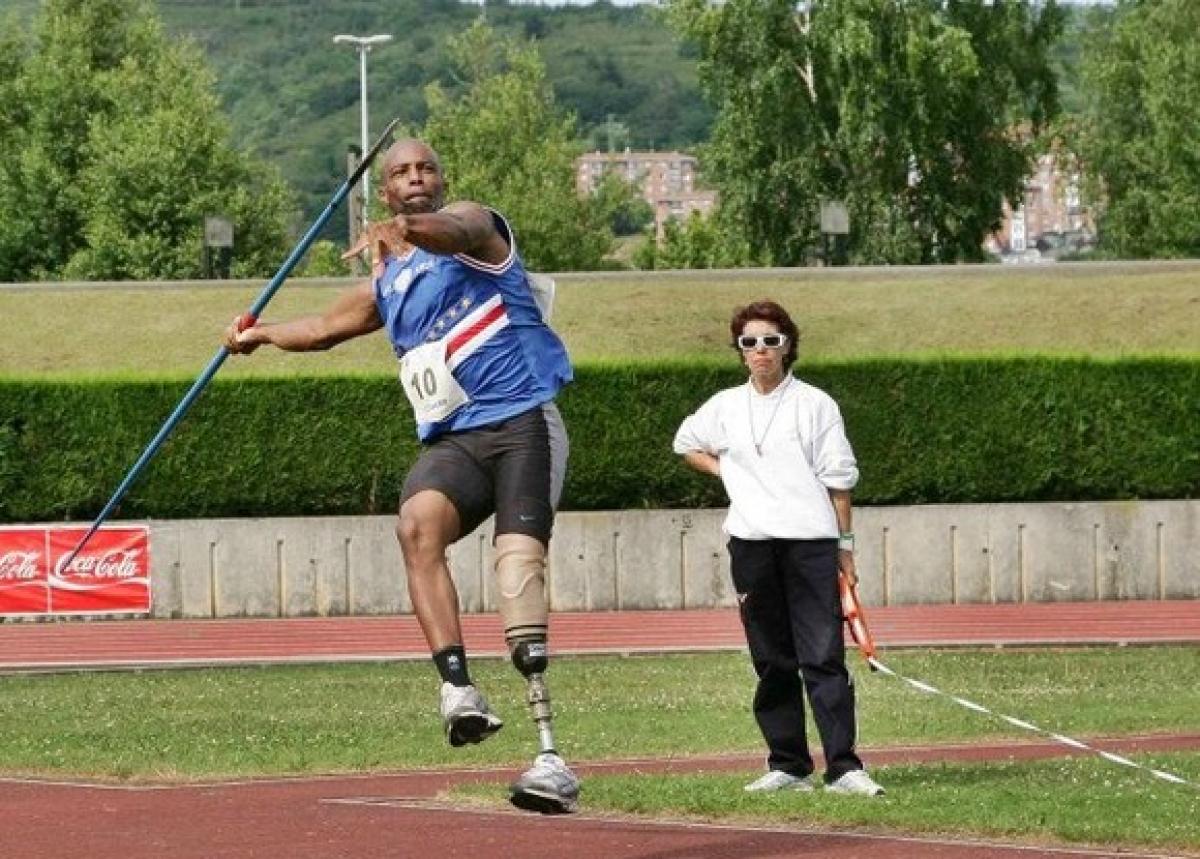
(474, 330)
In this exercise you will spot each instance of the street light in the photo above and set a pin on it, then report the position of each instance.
(364, 45)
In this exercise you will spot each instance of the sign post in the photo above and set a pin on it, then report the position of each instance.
(218, 246)
(835, 221)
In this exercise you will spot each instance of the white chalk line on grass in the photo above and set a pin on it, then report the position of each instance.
(921, 686)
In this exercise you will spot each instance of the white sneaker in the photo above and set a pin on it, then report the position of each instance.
(548, 787)
(778, 780)
(465, 715)
(855, 782)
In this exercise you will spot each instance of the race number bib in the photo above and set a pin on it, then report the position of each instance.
(429, 385)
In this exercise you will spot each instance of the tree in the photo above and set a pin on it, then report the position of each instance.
(116, 152)
(1138, 141)
(505, 143)
(698, 242)
(622, 205)
(919, 115)
(324, 259)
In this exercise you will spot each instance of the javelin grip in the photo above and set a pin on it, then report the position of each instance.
(250, 318)
(856, 620)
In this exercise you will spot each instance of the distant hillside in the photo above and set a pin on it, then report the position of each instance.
(292, 95)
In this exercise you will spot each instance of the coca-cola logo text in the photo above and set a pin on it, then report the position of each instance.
(19, 566)
(117, 564)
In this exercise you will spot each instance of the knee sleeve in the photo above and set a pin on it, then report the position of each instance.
(521, 586)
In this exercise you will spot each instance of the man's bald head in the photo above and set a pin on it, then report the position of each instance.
(412, 178)
(410, 148)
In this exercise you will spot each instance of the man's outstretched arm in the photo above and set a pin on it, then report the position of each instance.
(353, 313)
(460, 228)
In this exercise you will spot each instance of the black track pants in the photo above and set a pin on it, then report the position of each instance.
(788, 596)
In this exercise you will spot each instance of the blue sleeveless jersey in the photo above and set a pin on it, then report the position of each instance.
(498, 347)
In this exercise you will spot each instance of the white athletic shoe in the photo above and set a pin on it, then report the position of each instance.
(465, 715)
(778, 780)
(856, 782)
(548, 787)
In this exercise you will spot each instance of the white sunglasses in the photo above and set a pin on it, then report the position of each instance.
(770, 341)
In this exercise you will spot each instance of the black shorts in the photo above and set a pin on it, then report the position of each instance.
(514, 469)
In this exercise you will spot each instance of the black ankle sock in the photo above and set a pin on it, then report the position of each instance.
(451, 663)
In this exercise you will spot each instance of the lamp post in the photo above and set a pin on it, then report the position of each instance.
(363, 44)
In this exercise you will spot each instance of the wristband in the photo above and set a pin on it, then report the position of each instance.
(846, 541)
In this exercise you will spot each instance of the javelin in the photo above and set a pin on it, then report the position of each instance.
(250, 318)
(853, 614)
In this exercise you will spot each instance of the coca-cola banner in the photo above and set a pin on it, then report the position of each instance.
(24, 588)
(111, 575)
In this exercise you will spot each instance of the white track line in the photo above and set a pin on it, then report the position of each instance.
(921, 686)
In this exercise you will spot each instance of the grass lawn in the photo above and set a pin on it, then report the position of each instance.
(182, 725)
(1097, 309)
(1077, 800)
(227, 722)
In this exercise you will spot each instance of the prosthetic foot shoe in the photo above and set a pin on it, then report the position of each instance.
(466, 716)
(548, 787)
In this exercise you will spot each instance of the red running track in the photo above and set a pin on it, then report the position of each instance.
(49, 645)
(405, 814)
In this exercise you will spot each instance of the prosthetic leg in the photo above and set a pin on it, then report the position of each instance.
(530, 658)
(549, 786)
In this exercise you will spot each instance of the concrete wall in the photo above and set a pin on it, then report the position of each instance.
(973, 553)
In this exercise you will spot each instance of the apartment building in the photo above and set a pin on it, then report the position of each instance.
(667, 180)
(1052, 217)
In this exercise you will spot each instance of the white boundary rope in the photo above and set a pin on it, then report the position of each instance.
(1020, 723)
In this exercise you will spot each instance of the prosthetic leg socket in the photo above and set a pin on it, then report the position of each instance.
(531, 659)
(521, 586)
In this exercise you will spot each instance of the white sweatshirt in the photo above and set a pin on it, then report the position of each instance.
(782, 492)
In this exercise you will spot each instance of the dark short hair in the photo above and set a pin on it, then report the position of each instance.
(765, 310)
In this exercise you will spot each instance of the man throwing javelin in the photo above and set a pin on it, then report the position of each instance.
(481, 368)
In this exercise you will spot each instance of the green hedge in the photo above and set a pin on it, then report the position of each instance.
(964, 430)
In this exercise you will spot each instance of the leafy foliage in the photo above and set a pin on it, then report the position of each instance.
(117, 151)
(904, 109)
(292, 96)
(698, 242)
(923, 431)
(622, 205)
(324, 259)
(503, 141)
(1141, 81)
